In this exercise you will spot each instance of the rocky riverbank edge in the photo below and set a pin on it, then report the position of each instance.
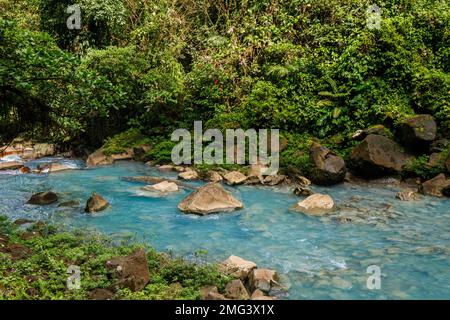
(39, 261)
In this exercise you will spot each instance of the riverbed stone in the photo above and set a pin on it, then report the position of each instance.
(130, 271)
(237, 267)
(303, 191)
(315, 205)
(263, 279)
(234, 178)
(236, 290)
(70, 204)
(435, 186)
(53, 167)
(214, 176)
(43, 198)
(407, 195)
(96, 203)
(377, 155)
(209, 198)
(189, 174)
(144, 179)
(328, 168)
(99, 158)
(163, 187)
(274, 180)
(11, 165)
(166, 167)
(417, 132)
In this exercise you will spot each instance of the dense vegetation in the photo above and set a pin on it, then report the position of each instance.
(42, 272)
(311, 68)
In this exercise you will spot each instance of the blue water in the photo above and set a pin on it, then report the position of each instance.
(318, 258)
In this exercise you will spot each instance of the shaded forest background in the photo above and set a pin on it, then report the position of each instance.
(311, 68)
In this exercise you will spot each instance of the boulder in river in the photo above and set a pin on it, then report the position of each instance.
(237, 267)
(11, 165)
(189, 174)
(407, 195)
(417, 132)
(315, 205)
(274, 180)
(43, 198)
(99, 158)
(236, 290)
(234, 178)
(328, 168)
(130, 271)
(263, 279)
(163, 187)
(435, 186)
(53, 167)
(303, 191)
(209, 198)
(377, 155)
(96, 203)
(214, 176)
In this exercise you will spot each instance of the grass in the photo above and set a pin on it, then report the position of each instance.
(43, 273)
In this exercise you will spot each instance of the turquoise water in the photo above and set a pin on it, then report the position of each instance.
(318, 258)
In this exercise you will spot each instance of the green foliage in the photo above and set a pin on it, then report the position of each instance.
(305, 66)
(420, 167)
(296, 155)
(43, 274)
(161, 152)
(127, 139)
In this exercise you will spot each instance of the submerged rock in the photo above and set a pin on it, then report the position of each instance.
(407, 195)
(315, 205)
(163, 187)
(43, 198)
(53, 167)
(417, 132)
(234, 178)
(377, 155)
(328, 168)
(237, 267)
(96, 203)
(144, 179)
(166, 167)
(11, 165)
(209, 198)
(435, 186)
(70, 204)
(98, 158)
(130, 271)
